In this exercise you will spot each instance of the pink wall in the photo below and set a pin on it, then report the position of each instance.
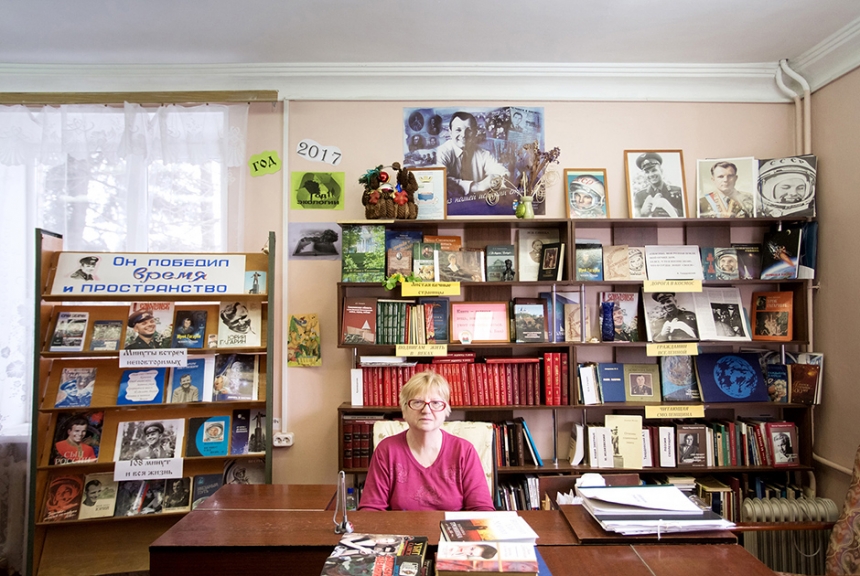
(836, 142)
(590, 134)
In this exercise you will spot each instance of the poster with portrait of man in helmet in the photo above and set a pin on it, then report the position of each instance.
(585, 189)
(655, 183)
(786, 186)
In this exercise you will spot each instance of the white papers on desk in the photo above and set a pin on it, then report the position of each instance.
(648, 510)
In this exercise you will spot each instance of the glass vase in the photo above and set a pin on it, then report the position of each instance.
(528, 210)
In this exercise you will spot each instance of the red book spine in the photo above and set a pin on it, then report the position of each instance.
(515, 383)
(366, 384)
(733, 443)
(530, 392)
(463, 374)
(547, 378)
(377, 388)
(366, 431)
(494, 369)
(565, 380)
(556, 378)
(473, 385)
(482, 384)
(347, 444)
(536, 383)
(508, 384)
(386, 385)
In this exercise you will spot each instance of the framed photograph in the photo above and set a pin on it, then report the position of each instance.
(586, 193)
(430, 197)
(655, 183)
(782, 437)
(530, 319)
(475, 322)
(726, 187)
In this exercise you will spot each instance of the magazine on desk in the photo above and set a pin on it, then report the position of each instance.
(486, 527)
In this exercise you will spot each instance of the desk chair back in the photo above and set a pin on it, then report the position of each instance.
(480, 434)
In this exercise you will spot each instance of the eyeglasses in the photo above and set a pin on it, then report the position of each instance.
(435, 405)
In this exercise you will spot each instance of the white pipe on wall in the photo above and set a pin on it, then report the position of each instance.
(807, 105)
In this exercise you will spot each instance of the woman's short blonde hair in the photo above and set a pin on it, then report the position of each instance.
(425, 382)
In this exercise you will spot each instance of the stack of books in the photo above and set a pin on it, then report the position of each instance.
(494, 542)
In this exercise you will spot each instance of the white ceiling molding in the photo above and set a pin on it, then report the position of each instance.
(419, 81)
(831, 58)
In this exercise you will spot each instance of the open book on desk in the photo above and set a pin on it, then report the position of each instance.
(647, 510)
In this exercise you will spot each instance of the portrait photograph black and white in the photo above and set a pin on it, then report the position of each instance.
(655, 183)
(314, 241)
(149, 439)
(786, 186)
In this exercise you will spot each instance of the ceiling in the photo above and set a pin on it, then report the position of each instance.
(156, 32)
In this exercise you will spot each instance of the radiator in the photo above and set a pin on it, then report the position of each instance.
(796, 551)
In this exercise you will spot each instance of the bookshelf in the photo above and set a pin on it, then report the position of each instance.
(55, 542)
(633, 232)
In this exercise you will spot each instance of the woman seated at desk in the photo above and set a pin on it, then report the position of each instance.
(425, 468)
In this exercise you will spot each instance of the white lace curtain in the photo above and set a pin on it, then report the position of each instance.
(106, 178)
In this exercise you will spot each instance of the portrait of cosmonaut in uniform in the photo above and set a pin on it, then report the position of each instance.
(786, 186)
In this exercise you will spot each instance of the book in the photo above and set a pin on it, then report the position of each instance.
(776, 378)
(141, 386)
(456, 558)
(669, 317)
(424, 261)
(625, 314)
(611, 378)
(190, 326)
(772, 316)
(782, 443)
(363, 253)
(803, 383)
(728, 377)
(248, 432)
(551, 262)
(139, 497)
(588, 384)
(589, 262)
(616, 262)
(636, 260)
(530, 320)
(460, 266)
(303, 345)
(816, 358)
(239, 324)
(561, 299)
(204, 486)
(192, 382)
(691, 442)
(625, 432)
(402, 239)
(236, 377)
(245, 471)
(719, 314)
(77, 437)
(359, 320)
(149, 439)
(749, 260)
(576, 445)
(150, 325)
(106, 336)
(642, 382)
(99, 496)
(439, 312)
(63, 497)
(489, 527)
(501, 263)
(177, 495)
(673, 263)
(76, 388)
(446, 243)
(255, 282)
(376, 554)
(530, 241)
(573, 322)
(678, 379)
(208, 436)
(399, 261)
(780, 254)
(69, 333)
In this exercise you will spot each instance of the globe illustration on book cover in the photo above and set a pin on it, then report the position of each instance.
(735, 377)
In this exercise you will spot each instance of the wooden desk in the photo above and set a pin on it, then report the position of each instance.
(271, 497)
(589, 531)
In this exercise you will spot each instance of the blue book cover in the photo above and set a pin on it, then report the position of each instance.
(561, 298)
(208, 436)
(611, 378)
(731, 378)
(189, 383)
(531, 440)
(145, 386)
(776, 376)
(248, 432)
(189, 327)
(205, 485)
(678, 380)
(239, 434)
(402, 239)
(589, 262)
(440, 317)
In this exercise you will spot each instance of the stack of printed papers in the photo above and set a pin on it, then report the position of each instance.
(647, 510)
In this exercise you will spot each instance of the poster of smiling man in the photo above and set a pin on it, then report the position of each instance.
(478, 147)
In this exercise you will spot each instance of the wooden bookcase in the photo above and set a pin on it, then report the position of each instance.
(477, 234)
(121, 544)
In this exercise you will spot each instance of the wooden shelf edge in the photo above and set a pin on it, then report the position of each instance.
(88, 521)
(191, 405)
